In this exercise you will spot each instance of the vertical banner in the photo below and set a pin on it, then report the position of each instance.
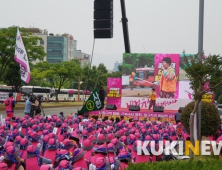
(22, 58)
(185, 92)
(166, 74)
(114, 91)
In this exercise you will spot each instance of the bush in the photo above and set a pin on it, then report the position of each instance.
(212, 164)
(219, 100)
(210, 119)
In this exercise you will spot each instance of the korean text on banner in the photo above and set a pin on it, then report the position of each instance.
(93, 103)
(22, 58)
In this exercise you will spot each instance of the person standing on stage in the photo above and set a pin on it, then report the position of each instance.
(167, 82)
(152, 97)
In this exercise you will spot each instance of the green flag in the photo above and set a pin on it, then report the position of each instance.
(93, 103)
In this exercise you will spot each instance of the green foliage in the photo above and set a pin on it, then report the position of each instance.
(218, 91)
(219, 101)
(96, 76)
(212, 164)
(200, 72)
(56, 75)
(210, 118)
(117, 74)
(134, 61)
(12, 75)
(7, 47)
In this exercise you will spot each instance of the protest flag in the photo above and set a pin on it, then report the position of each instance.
(93, 103)
(22, 58)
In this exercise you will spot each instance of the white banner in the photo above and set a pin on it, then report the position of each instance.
(22, 58)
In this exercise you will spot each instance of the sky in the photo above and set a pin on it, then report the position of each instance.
(155, 26)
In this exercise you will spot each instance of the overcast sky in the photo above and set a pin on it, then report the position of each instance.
(155, 26)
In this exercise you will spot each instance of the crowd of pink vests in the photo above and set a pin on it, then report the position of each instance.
(74, 143)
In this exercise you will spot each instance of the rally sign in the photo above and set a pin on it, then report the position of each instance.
(22, 58)
(93, 103)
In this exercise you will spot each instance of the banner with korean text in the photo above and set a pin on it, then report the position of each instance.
(114, 91)
(93, 103)
(22, 58)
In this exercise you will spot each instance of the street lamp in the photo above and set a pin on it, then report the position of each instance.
(79, 83)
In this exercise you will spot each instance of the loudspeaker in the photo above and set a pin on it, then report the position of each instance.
(134, 108)
(111, 107)
(106, 24)
(103, 14)
(103, 19)
(158, 109)
(108, 33)
(103, 4)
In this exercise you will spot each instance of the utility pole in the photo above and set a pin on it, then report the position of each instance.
(125, 27)
(200, 54)
(79, 89)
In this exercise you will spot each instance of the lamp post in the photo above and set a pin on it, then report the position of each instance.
(200, 53)
(79, 83)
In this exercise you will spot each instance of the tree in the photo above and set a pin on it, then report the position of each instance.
(133, 61)
(7, 47)
(57, 75)
(117, 74)
(97, 76)
(12, 76)
(199, 73)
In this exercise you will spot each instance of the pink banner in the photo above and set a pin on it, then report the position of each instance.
(114, 91)
(167, 75)
(139, 115)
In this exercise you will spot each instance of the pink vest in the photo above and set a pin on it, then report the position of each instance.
(23, 131)
(81, 163)
(88, 155)
(61, 137)
(50, 155)
(186, 135)
(111, 154)
(142, 158)
(23, 154)
(35, 144)
(123, 165)
(39, 133)
(174, 138)
(32, 163)
(9, 108)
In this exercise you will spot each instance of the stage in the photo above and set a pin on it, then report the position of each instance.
(143, 113)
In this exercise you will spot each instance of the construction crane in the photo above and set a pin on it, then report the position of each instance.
(125, 27)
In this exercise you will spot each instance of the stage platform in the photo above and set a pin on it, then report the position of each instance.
(143, 113)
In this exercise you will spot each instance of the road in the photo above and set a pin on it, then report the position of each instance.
(137, 91)
(51, 111)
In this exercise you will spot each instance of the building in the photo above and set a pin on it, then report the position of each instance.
(116, 65)
(83, 58)
(57, 49)
(43, 34)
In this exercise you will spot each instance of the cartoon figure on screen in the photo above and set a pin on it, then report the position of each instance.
(167, 82)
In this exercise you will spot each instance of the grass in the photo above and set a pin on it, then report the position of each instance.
(196, 163)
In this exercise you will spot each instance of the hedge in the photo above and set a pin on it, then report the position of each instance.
(210, 119)
(219, 100)
(211, 164)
